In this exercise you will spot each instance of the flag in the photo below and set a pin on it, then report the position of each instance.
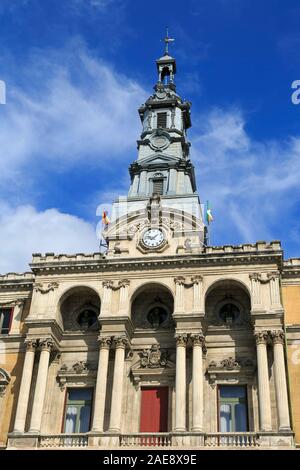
(209, 217)
(105, 219)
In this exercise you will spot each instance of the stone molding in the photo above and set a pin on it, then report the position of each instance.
(4, 381)
(51, 286)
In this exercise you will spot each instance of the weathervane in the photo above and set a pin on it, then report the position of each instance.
(167, 40)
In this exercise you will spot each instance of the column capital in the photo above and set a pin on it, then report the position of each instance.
(273, 275)
(46, 344)
(198, 339)
(123, 283)
(104, 342)
(261, 337)
(277, 336)
(31, 344)
(181, 339)
(108, 283)
(196, 279)
(254, 276)
(179, 280)
(121, 342)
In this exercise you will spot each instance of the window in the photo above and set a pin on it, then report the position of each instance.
(229, 313)
(158, 186)
(87, 318)
(78, 410)
(162, 120)
(5, 320)
(233, 409)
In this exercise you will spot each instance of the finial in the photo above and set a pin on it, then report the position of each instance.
(167, 40)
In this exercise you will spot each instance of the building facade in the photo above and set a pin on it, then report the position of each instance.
(162, 340)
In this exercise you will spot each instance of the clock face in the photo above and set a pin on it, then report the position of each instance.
(153, 238)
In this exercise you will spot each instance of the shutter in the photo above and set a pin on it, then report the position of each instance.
(162, 120)
(158, 186)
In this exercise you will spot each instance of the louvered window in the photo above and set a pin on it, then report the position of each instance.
(158, 186)
(162, 120)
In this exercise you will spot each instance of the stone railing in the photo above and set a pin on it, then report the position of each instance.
(144, 439)
(63, 440)
(238, 439)
(241, 440)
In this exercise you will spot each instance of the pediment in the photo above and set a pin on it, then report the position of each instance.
(158, 159)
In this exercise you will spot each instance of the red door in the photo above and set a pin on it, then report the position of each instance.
(154, 409)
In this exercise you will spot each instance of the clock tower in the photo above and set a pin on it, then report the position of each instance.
(162, 211)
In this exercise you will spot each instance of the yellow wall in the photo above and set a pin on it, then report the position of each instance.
(13, 364)
(291, 302)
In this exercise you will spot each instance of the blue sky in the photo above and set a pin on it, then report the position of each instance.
(76, 71)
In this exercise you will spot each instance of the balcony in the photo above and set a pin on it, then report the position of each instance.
(154, 440)
(170, 440)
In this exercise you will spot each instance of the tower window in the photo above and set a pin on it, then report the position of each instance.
(158, 186)
(162, 120)
(5, 320)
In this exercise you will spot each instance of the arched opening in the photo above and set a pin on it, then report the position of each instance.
(165, 75)
(227, 303)
(152, 307)
(79, 309)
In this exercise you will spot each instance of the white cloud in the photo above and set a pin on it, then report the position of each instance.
(251, 184)
(72, 109)
(24, 231)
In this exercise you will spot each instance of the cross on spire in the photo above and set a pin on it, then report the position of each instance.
(167, 40)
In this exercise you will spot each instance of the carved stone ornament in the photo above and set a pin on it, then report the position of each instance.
(153, 358)
(198, 339)
(80, 373)
(123, 283)
(261, 337)
(46, 344)
(45, 289)
(277, 337)
(109, 284)
(230, 371)
(31, 344)
(121, 342)
(229, 363)
(80, 367)
(104, 342)
(4, 381)
(181, 340)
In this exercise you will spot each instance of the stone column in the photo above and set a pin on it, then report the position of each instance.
(274, 290)
(172, 181)
(107, 294)
(40, 388)
(117, 391)
(100, 393)
(24, 391)
(255, 290)
(263, 381)
(180, 383)
(124, 290)
(280, 381)
(197, 294)
(179, 294)
(197, 382)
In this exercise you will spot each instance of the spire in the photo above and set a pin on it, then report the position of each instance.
(166, 65)
(167, 40)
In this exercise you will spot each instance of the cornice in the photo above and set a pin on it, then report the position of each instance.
(218, 256)
(15, 281)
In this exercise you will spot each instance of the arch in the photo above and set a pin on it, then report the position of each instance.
(228, 302)
(152, 306)
(146, 284)
(230, 280)
(79, 308)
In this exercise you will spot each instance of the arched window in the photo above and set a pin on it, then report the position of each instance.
(86, 318)
(229, 313)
